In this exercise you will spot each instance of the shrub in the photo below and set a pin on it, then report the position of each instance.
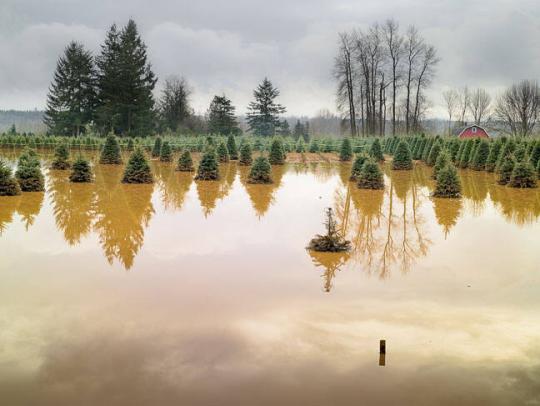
(137, 169)
(448, 184)
(375, 150)
(156, 150)
(260, 171)
(402, 157)
(231, 147)
(8, 185)
(332, 241)
(505, 170)
(223, 153)
(185, 162)
(245, 154)
(480, 156)
(28, 172)
(81, 171)
(358, 163)
(110, 154)
(442, 160)
(208, 167)
(166, 152)
(345, 152)
(523, 175)
(61, 157)
(371, 176)
(276, 155)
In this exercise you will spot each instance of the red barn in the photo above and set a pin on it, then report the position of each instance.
(473, 131)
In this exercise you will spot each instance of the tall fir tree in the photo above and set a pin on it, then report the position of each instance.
(221, 117)
(72, 95)
(125, 83)
(263, 112)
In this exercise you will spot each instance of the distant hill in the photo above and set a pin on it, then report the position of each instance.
(25, 121)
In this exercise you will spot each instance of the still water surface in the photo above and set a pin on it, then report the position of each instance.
(201, 293)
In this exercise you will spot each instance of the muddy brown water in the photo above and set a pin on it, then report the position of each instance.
(201, 293)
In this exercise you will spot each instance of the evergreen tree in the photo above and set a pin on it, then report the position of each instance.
(357, 165)
(345, 152)
(443, 159)
(28, 172)
(263, 112)
(480, 156)
(284, 128)
(166, 152)
(507, 151)
(156, 150)
(523, 175)
(448, 183)
(72, 95)
(371, 176)
(464, 158)
(260, 171)
(299, 130)
(221, 117)
(130, 145)
(402, 157)
(208, 167)
(520, 153)
(505, 170)
(8, 185)
(231, 147)
(375, 151)
(535, 154)
(81, 171)
(110, 154)
(137, 169)
(300, 145)
(491, 161)
(61, 157)
(125, 83)
(434, 153)
(276, 155)
(314, 146)
(223, 153)
(245, 154)
(185, 162)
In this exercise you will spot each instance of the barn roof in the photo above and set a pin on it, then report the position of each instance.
(471, 126)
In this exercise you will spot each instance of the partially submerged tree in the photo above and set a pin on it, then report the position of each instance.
(357, 165)
(276, 155)
(81, 171)
(448, 184)
(208, 167)
(223, 153)
(61, 157)
(231, 147)
(110, 154)
(260, 171)
(442, 160)
(137, 169)
(371, 176)
(523, 175)
(166, 152)
(185, 162)
(8, 185)
(29, 173)
(156, 150)
(375, 150)
(345, 152)
(480, 156)
(245, 154)
(505, 170)
(332, 241)
(402, 157)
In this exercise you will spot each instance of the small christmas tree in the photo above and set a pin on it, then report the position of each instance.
(314, 145)
(448, 184)
(345, 152)
(491, 161)
(110, 154)
(371, 176)
(276, 155)
(8, 185)
(357, 165)
(130, 145)
(137, 169)
(61, 157)
(185, 162)
(260, 171)
(300, 145)
(505, 170)
(442, 160)
(375, 151)
(29, 173)
(156, 150)
(208, 167)
(480, 156)
(223, 153)
(402, 157)
(231, 147)
(166, 152)
(523, 175)
(332, 241)
(81, 172)
(245, 154)
(434, 153)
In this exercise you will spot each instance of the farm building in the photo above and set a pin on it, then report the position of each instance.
(473, 131)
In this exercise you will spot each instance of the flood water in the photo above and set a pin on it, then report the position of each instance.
(202, 293)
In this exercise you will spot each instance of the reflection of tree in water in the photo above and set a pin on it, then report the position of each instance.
(8, 207)
(173, 185)
(519, 206)
(122, 214)
(447, 212)
(30, 207)
(474, 188)
(209, 192)
(72, 205)
(331, 262)
(262, 195)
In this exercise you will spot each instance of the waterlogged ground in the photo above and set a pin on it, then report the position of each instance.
(201, 293)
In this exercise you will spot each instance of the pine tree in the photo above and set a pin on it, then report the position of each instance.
(166, 152)
(185, 162)
(491, 161)
(434, 153)
(299, 130)
(137, 169)
(507, 151)
(276, 155)
(480, 156)
(8, 185)
(28, 172)
(156, 150)
(260, 171)
(61, 157)
(465, 155)
(208, 167)
(245, 154)
(402, 157)
(110, 154)
(221, 117)
(535, 154)
(125, 83)
(505, 170)
(314, 146)
(375, 151)
(130, 145)
(300, 145)
(263, 112)
(72, 95)
(523, 175)
(333, 241)
(223, 153)
(345, 152)
(443, 159)
(357, 165)
(448, 183)
(284, 128)
(81, 171)
(231, 147)
(371, 176)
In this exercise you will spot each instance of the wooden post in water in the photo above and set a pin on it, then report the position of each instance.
(382, 353)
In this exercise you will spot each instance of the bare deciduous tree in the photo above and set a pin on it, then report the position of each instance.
(344, 74)
(451, 99)
(394, 45)
(464, 101)
(480, 101)
(425, 74)
(174, 104)
(519, 107)
(413, 46)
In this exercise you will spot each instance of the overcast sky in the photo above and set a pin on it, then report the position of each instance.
(229, 46)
